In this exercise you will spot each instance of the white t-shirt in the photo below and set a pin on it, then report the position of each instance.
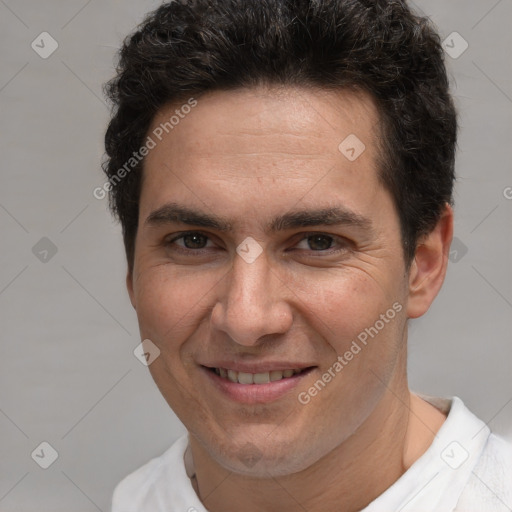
(466, 469)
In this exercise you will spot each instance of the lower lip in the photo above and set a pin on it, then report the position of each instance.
(255, 393)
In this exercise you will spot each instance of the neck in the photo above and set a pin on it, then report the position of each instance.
(398, 431)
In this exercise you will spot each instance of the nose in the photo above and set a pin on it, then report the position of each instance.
(252, 303)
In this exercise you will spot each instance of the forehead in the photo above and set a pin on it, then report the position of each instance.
(287, 120)
(280, 141)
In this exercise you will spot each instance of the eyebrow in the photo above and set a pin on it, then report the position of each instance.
(175, 213)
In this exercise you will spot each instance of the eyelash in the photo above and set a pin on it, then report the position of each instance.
(199, 252)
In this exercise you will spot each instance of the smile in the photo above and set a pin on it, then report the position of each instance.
(256, 378)
(260, 387)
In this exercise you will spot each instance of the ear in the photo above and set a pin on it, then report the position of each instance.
(428, 269)
(129, 287)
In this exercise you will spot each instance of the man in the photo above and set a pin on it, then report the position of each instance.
(283, 173)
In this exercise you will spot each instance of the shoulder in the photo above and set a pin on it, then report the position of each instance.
(496, 463)
(140, 489)
(481, 478)
(490, 485)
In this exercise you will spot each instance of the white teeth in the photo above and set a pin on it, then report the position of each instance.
(255, 378)
(245, 378)
(261, 378)
(276, 375)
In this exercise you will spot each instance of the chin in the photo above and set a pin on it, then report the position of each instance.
(261, 459)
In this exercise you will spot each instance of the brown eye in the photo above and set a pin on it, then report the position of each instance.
(321, 245)
(189, 242)
(319, 242)
(194, 241)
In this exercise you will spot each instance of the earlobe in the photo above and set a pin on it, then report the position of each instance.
(428, 269)
(129, 287)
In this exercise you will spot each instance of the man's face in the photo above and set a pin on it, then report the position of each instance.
(260, 170)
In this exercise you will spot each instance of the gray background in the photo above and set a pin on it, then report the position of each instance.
(68, 375)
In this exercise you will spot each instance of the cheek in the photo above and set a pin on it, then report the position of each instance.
(360, 318)
(342, 306)
(169, 305)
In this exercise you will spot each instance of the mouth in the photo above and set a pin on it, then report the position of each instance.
(257, 378)
(255, 387)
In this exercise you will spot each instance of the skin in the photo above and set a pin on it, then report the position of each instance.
(248, 156)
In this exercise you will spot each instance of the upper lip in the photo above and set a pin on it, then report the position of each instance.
(257, 367)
